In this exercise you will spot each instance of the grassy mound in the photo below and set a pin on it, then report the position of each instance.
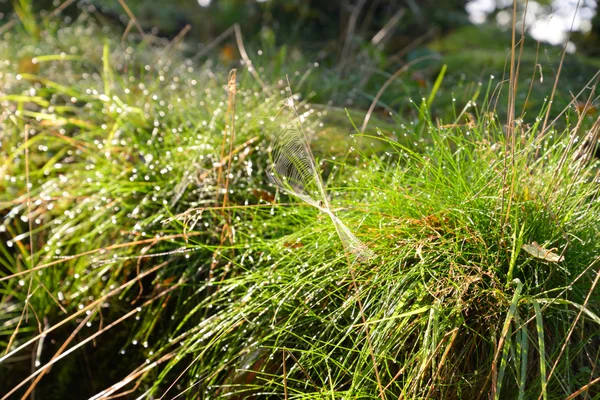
(144, 251)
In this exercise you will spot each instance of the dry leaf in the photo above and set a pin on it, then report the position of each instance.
(538, 251)
(295, 245)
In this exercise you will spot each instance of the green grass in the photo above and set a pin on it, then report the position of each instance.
(152, 282)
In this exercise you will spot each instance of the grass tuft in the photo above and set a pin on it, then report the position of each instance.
(165, 263)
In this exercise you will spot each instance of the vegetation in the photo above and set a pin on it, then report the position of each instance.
(145, 252)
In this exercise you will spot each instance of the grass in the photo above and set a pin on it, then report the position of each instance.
(144, 251)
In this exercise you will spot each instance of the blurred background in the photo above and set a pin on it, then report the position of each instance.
(323, 25)
(358, 44)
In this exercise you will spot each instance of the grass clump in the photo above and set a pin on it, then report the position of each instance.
(144, 250)
(454, 307)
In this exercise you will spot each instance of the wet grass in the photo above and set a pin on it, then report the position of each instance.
(144, 250)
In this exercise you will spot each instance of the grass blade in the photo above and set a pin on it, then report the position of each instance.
(539, 324)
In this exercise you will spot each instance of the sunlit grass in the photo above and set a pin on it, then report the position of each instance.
(170, 292)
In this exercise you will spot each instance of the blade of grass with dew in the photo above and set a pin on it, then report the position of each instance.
(523, 355)
(539, 324)
(505, 341)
